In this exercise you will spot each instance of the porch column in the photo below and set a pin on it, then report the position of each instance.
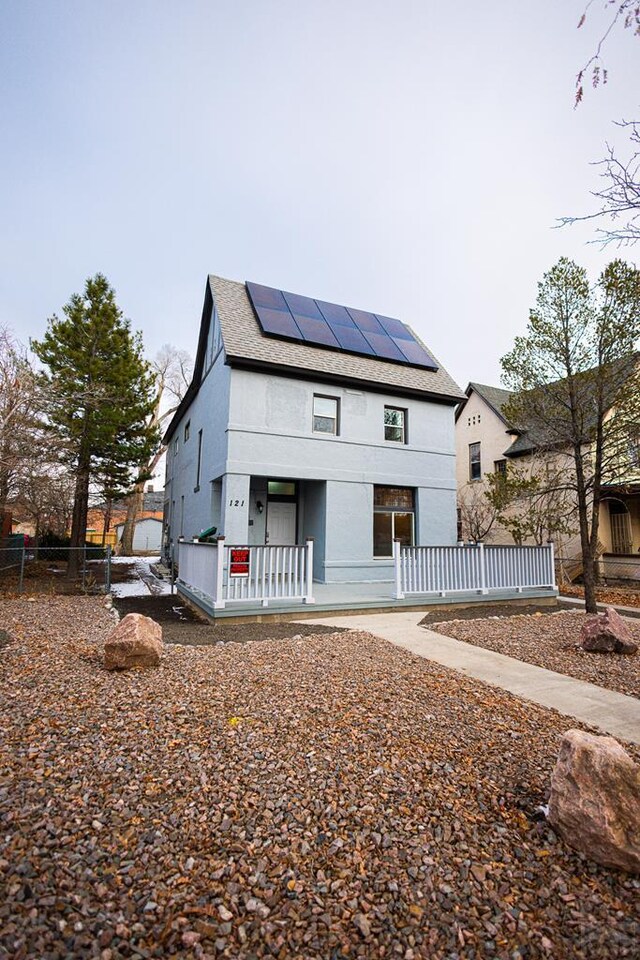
(234, 515)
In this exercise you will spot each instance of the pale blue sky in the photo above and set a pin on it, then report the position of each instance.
(402, 156)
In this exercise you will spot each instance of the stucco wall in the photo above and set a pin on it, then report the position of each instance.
(259, 425)
(208, 412)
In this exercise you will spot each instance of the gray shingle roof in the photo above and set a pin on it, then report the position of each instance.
(496, 397)
(244, 341)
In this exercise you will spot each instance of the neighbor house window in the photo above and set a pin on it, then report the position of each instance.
(500, 466)
(475, 468)
(395, 424)
(199, 462)
(393, 518)
(187, 430)
(326, 411)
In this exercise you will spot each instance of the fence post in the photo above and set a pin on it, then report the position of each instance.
(552, 565)
(107, 574)
(21, 583)
(308, 597)
(483, 572)
(397, 594)
(218, 598)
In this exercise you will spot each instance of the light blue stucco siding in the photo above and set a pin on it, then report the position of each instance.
(270, 435)
(194, 507)
(258, 425)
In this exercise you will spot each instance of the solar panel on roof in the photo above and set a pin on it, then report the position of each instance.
(352, 340)
(294, 317)
(367, 322)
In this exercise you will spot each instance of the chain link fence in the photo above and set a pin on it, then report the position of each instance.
(611, 568)
(30, 568)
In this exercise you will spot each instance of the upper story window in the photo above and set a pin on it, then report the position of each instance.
(187, 430)
(176, 444)
(475, 465)
(326, 414)
(500, 466)
(634, 449)
(395, 424)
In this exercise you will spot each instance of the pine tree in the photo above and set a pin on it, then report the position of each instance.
(101, 396)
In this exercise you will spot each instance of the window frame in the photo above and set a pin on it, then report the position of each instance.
(325, 433)
(500, 466)
(392, 510)
(404, 412)
(187, 431)
(472, 461)
(198, 463)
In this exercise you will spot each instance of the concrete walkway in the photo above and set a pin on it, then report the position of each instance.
(612, 712)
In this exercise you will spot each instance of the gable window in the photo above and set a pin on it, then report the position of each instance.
(175, 447)
(475, 467)
(326, 414)
(393, 519)
(395, 424)
(187, 430)
(500, 466)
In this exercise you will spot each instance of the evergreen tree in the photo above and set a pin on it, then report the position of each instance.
(101, 396)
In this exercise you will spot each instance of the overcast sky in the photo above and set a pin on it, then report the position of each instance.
(403, 156)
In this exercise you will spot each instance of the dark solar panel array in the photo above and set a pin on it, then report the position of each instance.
(293, 317)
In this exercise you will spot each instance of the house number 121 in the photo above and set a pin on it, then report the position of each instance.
(236, 503)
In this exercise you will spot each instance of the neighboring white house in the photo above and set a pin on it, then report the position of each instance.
(147, 535)
(305, 419)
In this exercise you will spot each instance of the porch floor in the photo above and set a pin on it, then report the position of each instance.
(346, 599)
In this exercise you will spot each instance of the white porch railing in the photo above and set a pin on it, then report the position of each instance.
(471, 567)
(259, 574)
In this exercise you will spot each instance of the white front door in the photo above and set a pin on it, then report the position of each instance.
(281, 523)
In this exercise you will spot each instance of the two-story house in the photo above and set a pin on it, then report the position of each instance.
(486, 442)
(308, 419)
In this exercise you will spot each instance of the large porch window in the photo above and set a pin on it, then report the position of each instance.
(393, 518)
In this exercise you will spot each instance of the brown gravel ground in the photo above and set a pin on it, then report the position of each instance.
(552, 642)
(330, 797)
(181, 625)
(614, 595)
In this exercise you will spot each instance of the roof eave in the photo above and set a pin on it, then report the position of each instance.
(250, 363)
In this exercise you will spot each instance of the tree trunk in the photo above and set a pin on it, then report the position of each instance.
(134, 507)
(79, 521)
(106, 523)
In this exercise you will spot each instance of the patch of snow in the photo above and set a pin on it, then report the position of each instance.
(145, 582)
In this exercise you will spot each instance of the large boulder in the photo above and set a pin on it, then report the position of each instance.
(595, 800)
(135, 642)
(607, 633)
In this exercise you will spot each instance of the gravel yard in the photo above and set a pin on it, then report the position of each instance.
(329, 797)
(553, 642)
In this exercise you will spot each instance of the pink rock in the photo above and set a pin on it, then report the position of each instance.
(595, 800)
(135, 642)
(607, 633)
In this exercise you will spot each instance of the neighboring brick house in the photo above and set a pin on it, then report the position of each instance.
(347, 438)
(486, 441)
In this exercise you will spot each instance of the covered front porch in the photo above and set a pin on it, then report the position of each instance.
(348, 599)
(223, 581)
